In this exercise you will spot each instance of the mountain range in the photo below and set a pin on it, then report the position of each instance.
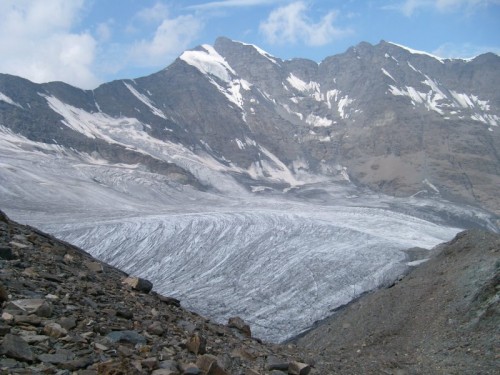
(384, 116)
(246, 179)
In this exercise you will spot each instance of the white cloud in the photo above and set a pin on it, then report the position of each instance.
(37, 42)
(171, 37)
(290, 24)
(104, 31)
(465, 51)
(156, 13)
(231, 4)
(408, 7)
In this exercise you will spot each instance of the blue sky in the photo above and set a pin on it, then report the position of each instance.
(87, 42)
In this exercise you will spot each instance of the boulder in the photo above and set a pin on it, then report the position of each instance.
(58, 357)
(196, 344)
(298, 368)
(275, 363)
(150, 363)
(54, 330)
(94, 266)
(125, 314)
(171, 301)
(156, 328)
(6, 253)
(15, 347)
(208, 365)
(36, 306)
(141, 285)
(131, 337)
(67, 323)
(240, 325)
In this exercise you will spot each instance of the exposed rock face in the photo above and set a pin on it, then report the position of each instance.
(444, 317)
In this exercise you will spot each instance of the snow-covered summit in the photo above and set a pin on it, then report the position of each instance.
(208, 61)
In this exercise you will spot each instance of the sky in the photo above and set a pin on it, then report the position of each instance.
(89, 42)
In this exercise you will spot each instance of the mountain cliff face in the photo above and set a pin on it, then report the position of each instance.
(396, 120)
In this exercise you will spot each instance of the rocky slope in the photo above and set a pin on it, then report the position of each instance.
(443, 318)
(63, 312)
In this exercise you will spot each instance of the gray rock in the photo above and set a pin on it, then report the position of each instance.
(156, 328)
(67, 323)
(33, 339)
(59, 357)
(36, 306)
(171, 301)
(298, 368)
(6, 253)
(124, 313)
(240, 325)
(15, 347)
(94, 266)
(150, 363)
(54, 330)
(169, 365)
(77, 364)
(208, 364)
(275, 363)
(139, 284)
(4, 329)
(28, 319)
(197, 344)
(126, 336)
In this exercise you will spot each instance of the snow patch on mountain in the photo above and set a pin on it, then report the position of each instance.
(6, 99)
(303, 86)
(470, 101)
(431, 185)
(318, 121)
(267, 55)
(272, 168)
(343, 103)
(212, 64)
(242, 144)
(144, 99)
(298, 114)
(416, 52)
(209, 61)
(13, 142)
(430, 98)
(492, 120)
(388, 74)
(332, 94)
